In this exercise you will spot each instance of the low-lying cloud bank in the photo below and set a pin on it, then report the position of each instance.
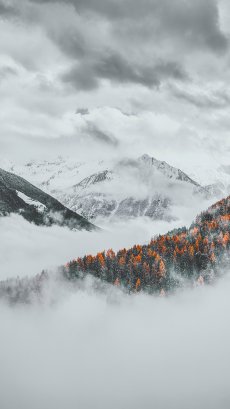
(89, 348)
(103, 349)
(27, 249)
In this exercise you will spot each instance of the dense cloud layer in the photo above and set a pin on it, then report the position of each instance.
(103, 349)
(27, 249)
(78, 347)
(197, 20)
(164, 60)
(98, 79)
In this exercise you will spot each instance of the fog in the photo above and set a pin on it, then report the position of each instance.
(108, 350)
(26, 249)
(100, 348)
(109, 80)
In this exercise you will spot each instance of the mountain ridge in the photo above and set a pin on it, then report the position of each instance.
(55, 212)
(168, 261)
(129, 188)
(192, 256)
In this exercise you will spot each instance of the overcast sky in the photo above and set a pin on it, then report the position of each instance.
(105, 79)
(112, 77)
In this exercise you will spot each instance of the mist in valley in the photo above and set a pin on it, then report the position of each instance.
(93, 346)
(91, 86)
(100, 349)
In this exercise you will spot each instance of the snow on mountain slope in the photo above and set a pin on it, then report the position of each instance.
(124, 189)
(56, 175)
(19, 196)
(169, 171)
(39, 206)
(215, 175)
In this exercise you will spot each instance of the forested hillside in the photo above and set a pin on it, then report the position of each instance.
(168, 260)
(182, 257)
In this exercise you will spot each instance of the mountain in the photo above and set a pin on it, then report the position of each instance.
(143, 187)
(169, 171)
(101, 191)
(182, 256)
(19, 196)
(192, 256)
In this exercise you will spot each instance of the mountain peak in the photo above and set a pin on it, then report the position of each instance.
(169, 171)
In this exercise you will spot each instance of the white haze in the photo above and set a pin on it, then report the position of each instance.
(100, 350)
(27, 249)
(103, 349)
(130, 178)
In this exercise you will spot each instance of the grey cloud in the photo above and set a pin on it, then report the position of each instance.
(225, 169)
(170, 69)
(81, 77)
(95, 133)
(195, 22)
(130, 113)
(115, 68)
(128, 163)
(153, 25)
(6, 71)
(82, 111)
(70, 40)
(6, 9)
(217, 100)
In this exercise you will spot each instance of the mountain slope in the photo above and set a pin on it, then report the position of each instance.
(169, 171)
(131, 189)
(18, 195)
(9, 200)
(180, 258)
(125, 189)
(168, 261)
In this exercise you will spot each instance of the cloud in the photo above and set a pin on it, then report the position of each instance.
(111, 52)
(6, 9)
(28, 249)
(197, 22)
(82, 111)
(114, 57)
(95, 133)
(5, 72)
(105, 350)
(115, 68)
(128, 351)
(211, 99)
(81, 77)
(95, 350)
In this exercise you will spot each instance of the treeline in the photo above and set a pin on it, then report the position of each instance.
(168, 261)
(180, 258)
(24, 290)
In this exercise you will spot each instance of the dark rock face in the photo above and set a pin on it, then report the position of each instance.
(9, 200)
(53, 212)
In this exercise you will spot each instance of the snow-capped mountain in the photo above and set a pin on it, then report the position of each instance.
(150, 267)
(19, 196)
(215, 189)
(127, 188)
(169, 171)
